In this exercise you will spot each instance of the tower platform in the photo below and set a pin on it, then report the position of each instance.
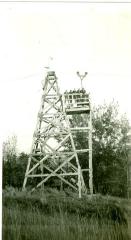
(76, 102)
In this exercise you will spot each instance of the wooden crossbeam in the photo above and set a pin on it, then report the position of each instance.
(62, 164)
(53, 103)
(51, 125)
(51, 86)
(63, 154)
(35, 166)
(51, 106)
(34, 159)
(68, 183)
(71, 152)
(48, 146)
(43, 159)
(62, 142)
(73, 166)
(80, 128)
(55, 172)
(54, 175)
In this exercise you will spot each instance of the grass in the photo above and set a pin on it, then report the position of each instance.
(54, 216)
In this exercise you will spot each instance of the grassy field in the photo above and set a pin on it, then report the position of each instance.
(54, 216)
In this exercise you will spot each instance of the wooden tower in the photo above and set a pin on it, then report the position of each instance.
(53, 154)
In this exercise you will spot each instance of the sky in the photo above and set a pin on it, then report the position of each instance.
(92, 37)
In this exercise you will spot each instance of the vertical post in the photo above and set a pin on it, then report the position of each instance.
(90, 155)
(42, 172)
(78, 165)
(61, 186)
(25, 179)
(129, 166)
(79, 181)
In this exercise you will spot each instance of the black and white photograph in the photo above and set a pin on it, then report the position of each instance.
(66, 120)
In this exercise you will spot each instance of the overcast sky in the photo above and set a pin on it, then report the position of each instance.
(87, 37)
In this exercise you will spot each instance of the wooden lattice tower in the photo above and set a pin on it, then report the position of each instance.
(53, 153)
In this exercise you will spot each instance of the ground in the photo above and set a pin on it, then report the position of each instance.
(56, 216)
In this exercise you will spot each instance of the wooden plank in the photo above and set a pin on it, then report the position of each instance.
(79, 181)
(36, 160)
(26, 174)
(53, 175)
(85, 170)
(82, 150)
(76, 110)
(73, 166)
(79, 128)
(90, 156)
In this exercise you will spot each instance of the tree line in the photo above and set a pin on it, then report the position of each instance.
(109, 140)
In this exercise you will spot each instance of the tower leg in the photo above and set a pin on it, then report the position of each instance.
(90, 157)
(24, 184)
(25, 179)
(79, 181)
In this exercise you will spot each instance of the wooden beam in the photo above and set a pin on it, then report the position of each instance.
(56, 170)
(36, 165)
(90, 157)
(57, 175)
(51, 106)
(80, 128)
(53, 175)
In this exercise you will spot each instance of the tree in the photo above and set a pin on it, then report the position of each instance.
(14, 171)
(9, 160)
(9, 149)
(109, 149)
(14, 165)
